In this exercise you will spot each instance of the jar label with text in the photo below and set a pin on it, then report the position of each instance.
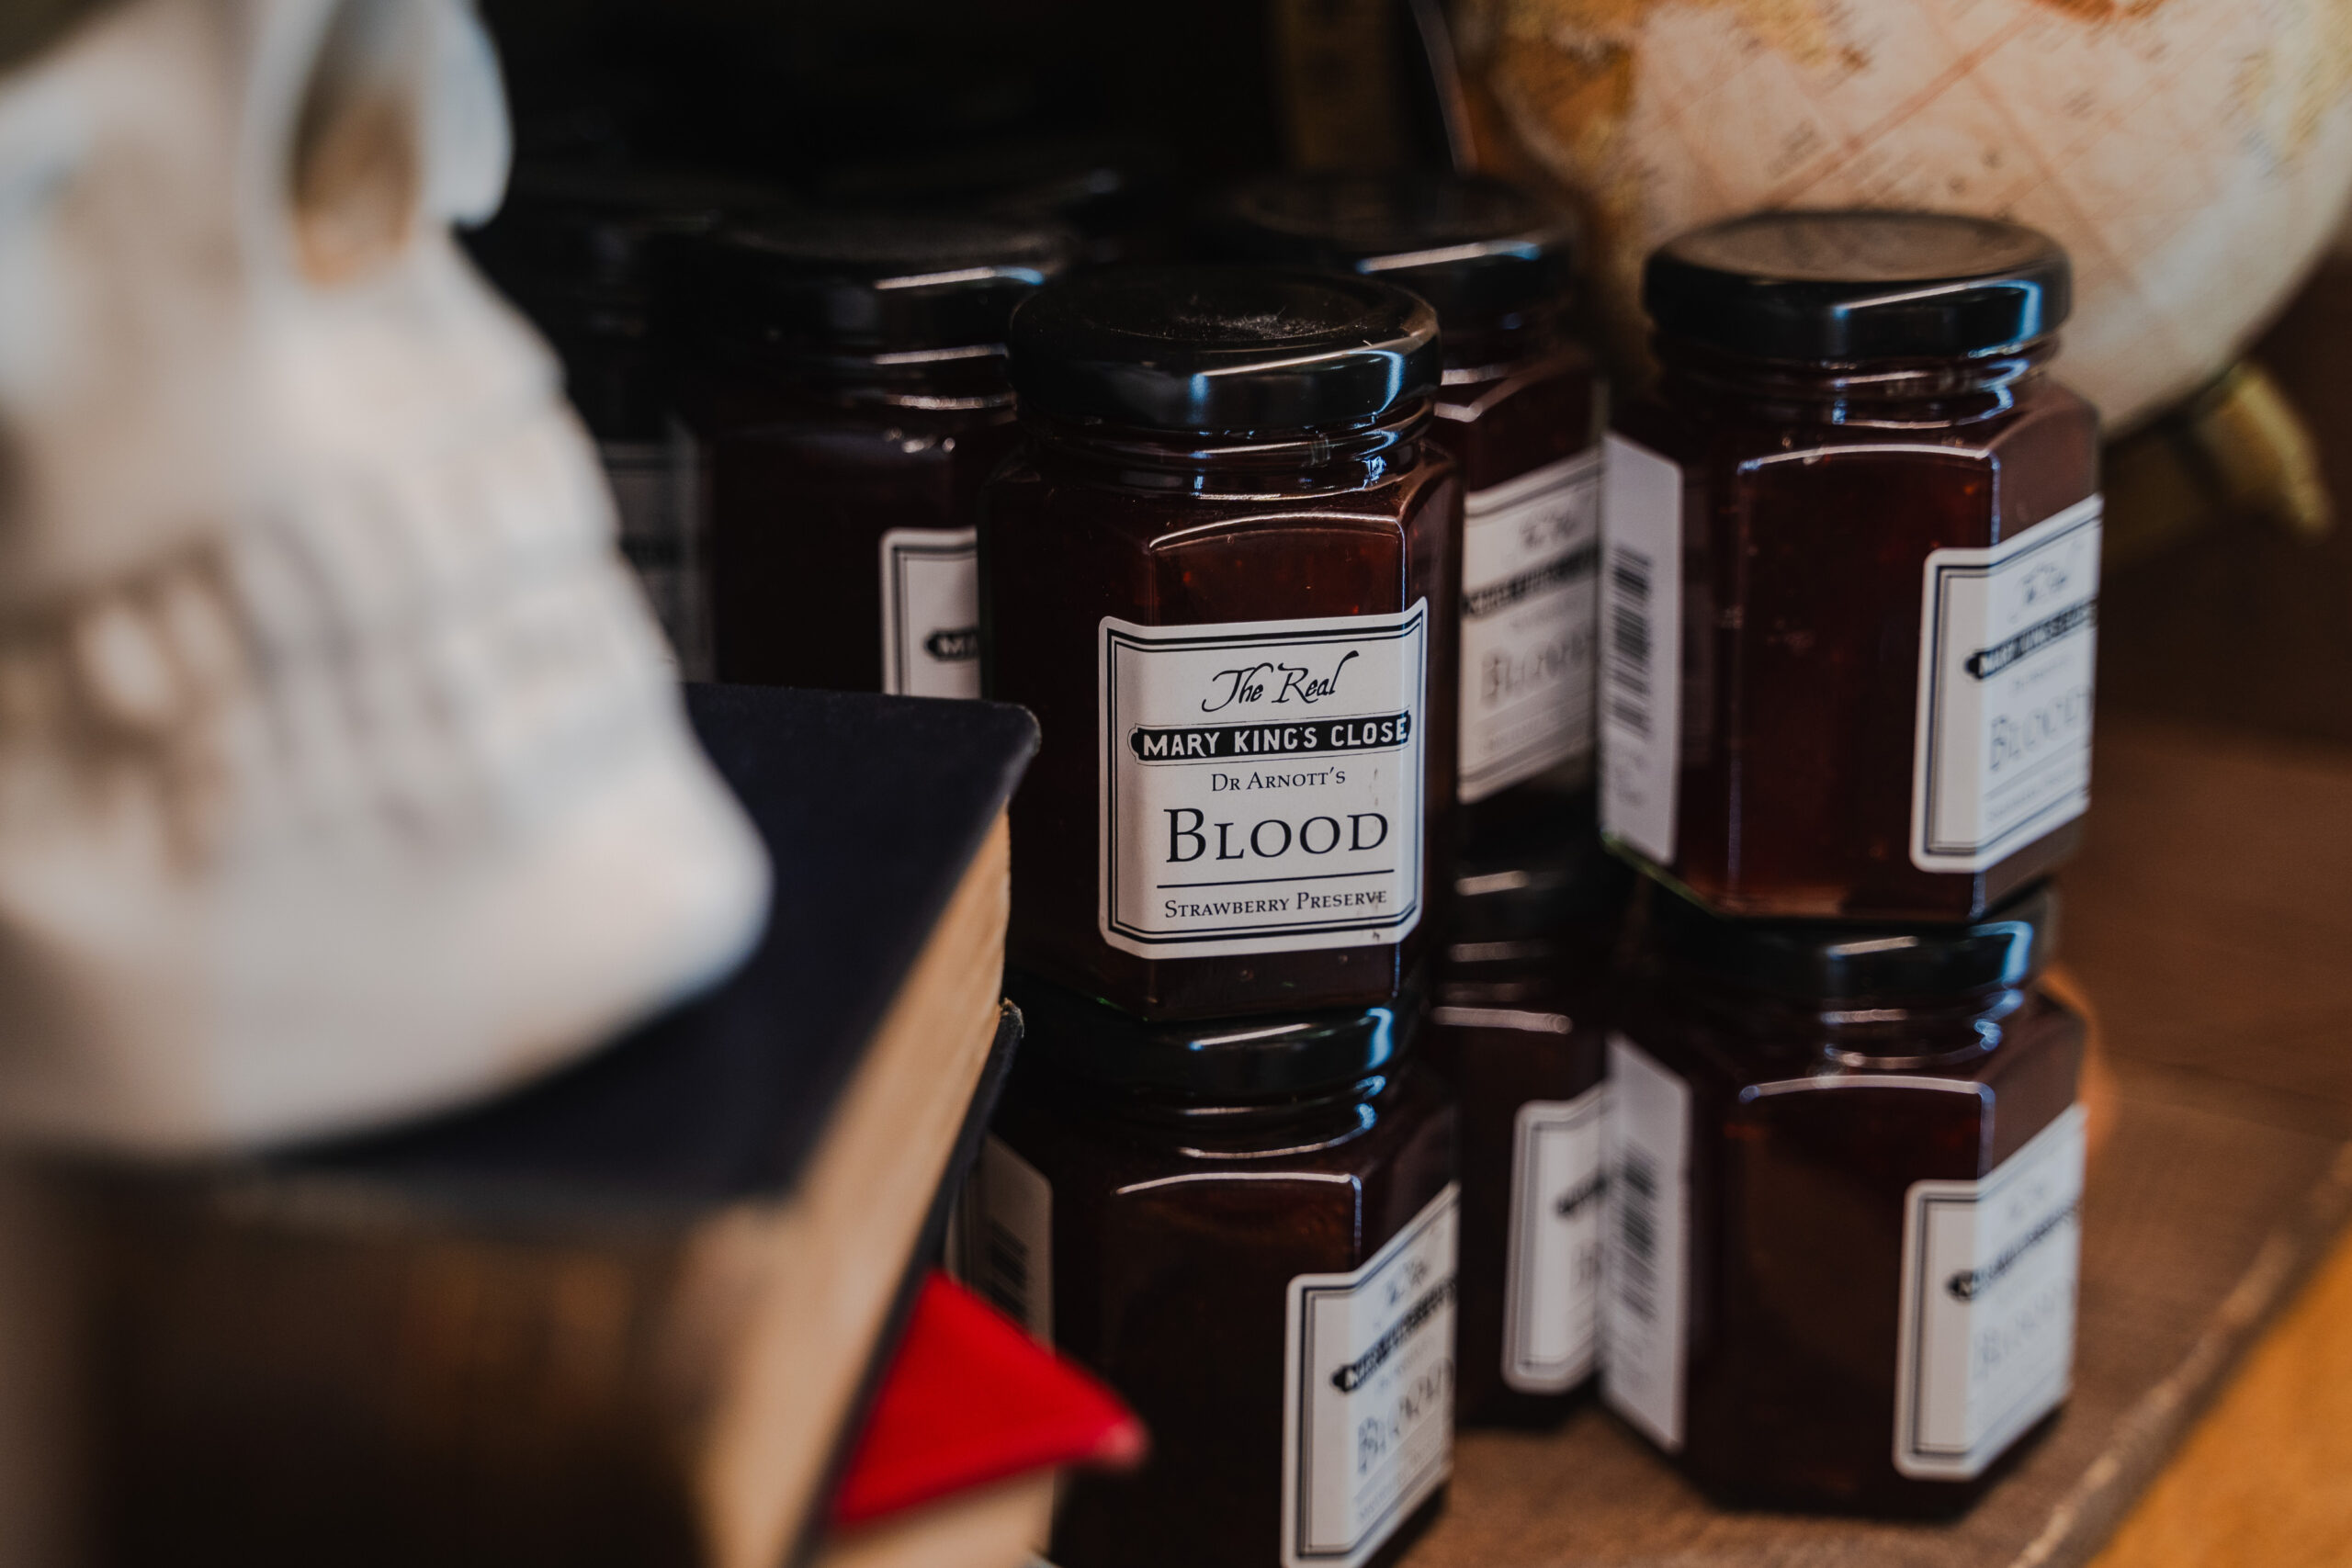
(1989, 1267)
(930, 612)
(1368, 1392)
(1529, 551)
(1261, 783)
(2007, 650)
(1551, 1302)
(1000, 1237)
(1645, 1263)
(1641, 647)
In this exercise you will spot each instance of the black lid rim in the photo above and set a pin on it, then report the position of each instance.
(1073, 356)
(1841, 961)
(1267, 1056)
(2018, 296)
(875, 285)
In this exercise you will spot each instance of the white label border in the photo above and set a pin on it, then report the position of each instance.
(1942, 567)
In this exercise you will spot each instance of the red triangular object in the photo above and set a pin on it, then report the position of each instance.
(971, 1399)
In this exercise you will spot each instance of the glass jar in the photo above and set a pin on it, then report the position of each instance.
(1221, 572)
(579, 249)
(1846, 1171)
(849, 396)
(1519, 1033)
(1851, 570)
(1519, 408)
(1250, 1233)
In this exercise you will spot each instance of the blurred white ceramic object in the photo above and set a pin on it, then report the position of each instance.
(340, 778)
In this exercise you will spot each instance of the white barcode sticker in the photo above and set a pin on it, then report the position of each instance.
(1646, 1262)
(1552, 1271)
(1001, 1239)
(1987, 1344)
(2008, 638)
(1641, 647)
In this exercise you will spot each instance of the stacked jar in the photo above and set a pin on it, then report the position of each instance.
(1222, 569)
(1520, 406)
(1521, 981)
(1848, 589)
(847, 396)
(581, 249)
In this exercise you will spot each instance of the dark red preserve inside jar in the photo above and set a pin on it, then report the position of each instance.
(1519, 408)
(848, 395)
(1221, 570)
(1251, 1238)
(1845, 1203)
(1520, 1033)
(1851, 572)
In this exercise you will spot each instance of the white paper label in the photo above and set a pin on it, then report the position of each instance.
(1641, 647)
(930, 612)
(1261, 783)
(2007, 650)
(1368, 1376)
(1000, 1237)
(1988, 1342)
(653, 496)
(1551, 1303)
(1646, 1262)
(1529, 551)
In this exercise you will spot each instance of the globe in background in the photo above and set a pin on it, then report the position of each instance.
(2192, 155)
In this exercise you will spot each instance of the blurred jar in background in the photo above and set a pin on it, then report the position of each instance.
(847, 391)
(578, 248)
(1521, 409)
(1519, 1031)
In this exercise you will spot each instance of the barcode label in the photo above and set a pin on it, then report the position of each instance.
(1640, 666)
(1645, 1260)
(1001, 1242)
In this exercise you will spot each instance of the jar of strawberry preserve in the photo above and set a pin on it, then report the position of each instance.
(848, 395)
(1519, 1033)
(1851, 572)
(1247, 1228)
(1519, 405)
(1844, 1193)
(1222, 572)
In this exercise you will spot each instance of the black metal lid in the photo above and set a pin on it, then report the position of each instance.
(1231, 1059)
(1478, 249)
(1839, 287)
(872, 284)
(1835, 961)
(1222, 349)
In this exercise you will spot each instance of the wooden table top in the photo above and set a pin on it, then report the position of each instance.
(2210, 921)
